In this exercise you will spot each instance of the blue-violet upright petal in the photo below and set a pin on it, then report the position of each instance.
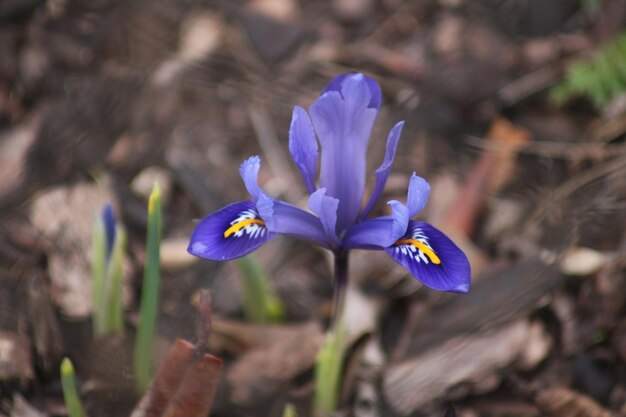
(108, 219)
(417, 197)
(343, 126)
(325, 208)
(303, 146)
(382, 172)
(249, 171)
(400, 216)
(375, 94)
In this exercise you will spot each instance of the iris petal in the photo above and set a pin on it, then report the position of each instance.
(343, 123)
(380, 232)
(375, 94)
(249, 171)
(417, 197)
(108, 218)
(382, 172)
(432, 258)
(400, 216)
(303, 146)
(286, 219)
(370, 234)
(326, 209)
(230, 233)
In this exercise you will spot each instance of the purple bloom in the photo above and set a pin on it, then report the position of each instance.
(109, 221)
(341, 121)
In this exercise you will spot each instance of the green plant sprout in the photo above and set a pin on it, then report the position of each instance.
(600, 79)
(109, 247)
(290, 411)
(260, 303)
(114, 304)
(98, 273)
(328, 371)
(70, 392)
(146, 332)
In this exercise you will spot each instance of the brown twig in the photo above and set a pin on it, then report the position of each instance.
(204, 303)
(573, 151)
(575, 183)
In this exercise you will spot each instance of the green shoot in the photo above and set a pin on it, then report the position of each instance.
(98, 273)
(146, 333)
(70, 392)
(290, 411)
(328, 371)
(106, 268)
(114, 314)
(260, 303)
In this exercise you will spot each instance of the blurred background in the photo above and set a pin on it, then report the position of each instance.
(515, 113)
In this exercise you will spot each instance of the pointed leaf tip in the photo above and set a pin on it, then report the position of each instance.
(66, 367)
(155, 198)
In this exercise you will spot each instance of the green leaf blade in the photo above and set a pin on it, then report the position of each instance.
(146, 333)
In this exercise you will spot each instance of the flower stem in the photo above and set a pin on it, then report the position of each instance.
(340, 283)
(70, 392)
(329, 361)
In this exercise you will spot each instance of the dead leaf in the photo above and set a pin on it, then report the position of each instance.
(260, 373)
(184, 386)
(21, 408)
(174, 255)
(537, 347)
(201, 34)
(493, 169)
(466, 338)
(360, 314)
(142, 184)
(237, 337)
(368, 398)
(581, 261)
(415, 382)
(65, 216)
(508, 139)
(45, 329)
(286, 11)
(564, 402)
(14, 146)
(15, 360)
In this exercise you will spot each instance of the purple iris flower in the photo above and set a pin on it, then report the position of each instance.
(109, 221)
(341, 121)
